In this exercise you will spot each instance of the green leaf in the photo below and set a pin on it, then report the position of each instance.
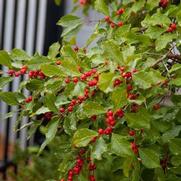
(149, 157)
(145, 79)
(163, 40)
(120, 146)
(138, 120)
(112, 51)
(9, 97)
(150, 4)
(51, 70)
(34, 84)
(174, 68)
(105, 83)
(101, 6)
(154, 32)
(54, 50)
(50, 102)
(176, 82)
(4, 81)
(99, 148)
(92, 108)
(19, 55)
(78, 89)
(119, 97)
(175, 146)
(5, 59)
(127, 165)
(58, 2)
(82, 137)
(42, 110)
(170, 134)
(70, 124)
(138, 5)
(71, 24)
(50, 134)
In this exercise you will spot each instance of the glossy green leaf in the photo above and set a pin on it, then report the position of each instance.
(5, 59)
(101, 6)
(105, 83)
(120, 146)
(99, 149)
(139, 120)
(51, 70)
(4, 81)
(149, 157)
(54, 50)
(50, 102)
(82, 137)
(9, 97)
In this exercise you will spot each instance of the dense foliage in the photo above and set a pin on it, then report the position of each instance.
(114, 103)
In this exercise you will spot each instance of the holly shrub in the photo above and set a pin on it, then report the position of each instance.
(114, 103)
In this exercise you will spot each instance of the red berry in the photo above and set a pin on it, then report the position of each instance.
(112, 25)
(92, 83)
(134, 147)
(92, 178)
(70, 108)
(62, 110)
(94, 117)
(11, 72)
(29, 99)
(117, 82)
(31, 74)
(83, 77)
(163, 3)
(173, 26)
(108, 130)
(92, 166)
(156, 107)
(93, 71)
(120, 113)
(83, 2)
(17, 74)
(132, 133)
(75, 80)
(23, 71)
(73, 102)
(88, 74)
(129, 87)
(58, 62)
(109, 113)
(120, 11)
(107, 19)
(120, 23)
(101, 131)
(76, 48)
(67, 80)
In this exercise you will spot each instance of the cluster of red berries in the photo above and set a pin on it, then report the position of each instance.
(22, 71)
(110, 121)
(117, 82)
(113, 24)
(29, 99)
(77, 101)
(134, 147)
(172, 27)
(163, 3)
(90, 77)
(36, 74)
(77, 167)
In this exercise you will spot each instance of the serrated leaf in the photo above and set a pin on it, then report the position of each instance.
(176, 82)
(50, 102)
(5, 59)
(145, 79)
(4, 81)
(149, 157)
(92, 108)
(119, 97)
(50, 134)
(82, 137)
(9, 97)
(51, 70)
(163, 40)
(101, 6)
(175, 146)
(112, 51)
(105, 83)
(42, 110)
(138, 120)
(99, 148)
(54, 50)
(19, 55)
(120, 146)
